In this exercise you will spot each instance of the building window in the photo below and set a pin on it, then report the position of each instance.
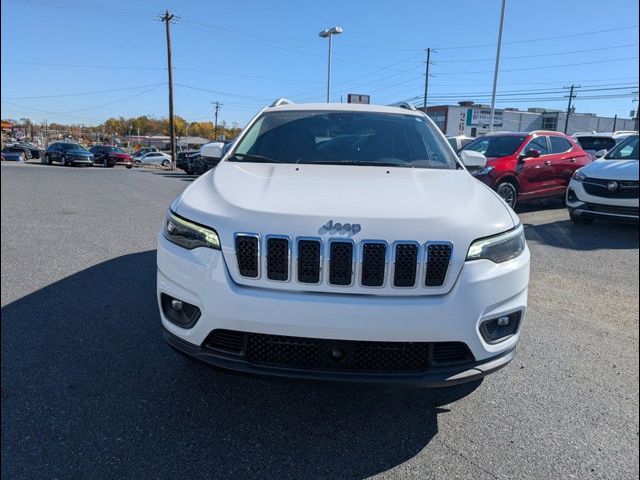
(550, 122)
(439, 117)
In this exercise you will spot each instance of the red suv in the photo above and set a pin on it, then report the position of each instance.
(524, 166)
(110, 156)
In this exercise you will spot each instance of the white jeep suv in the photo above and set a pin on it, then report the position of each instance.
(344, 242)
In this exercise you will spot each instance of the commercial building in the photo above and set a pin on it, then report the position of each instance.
(470, 119)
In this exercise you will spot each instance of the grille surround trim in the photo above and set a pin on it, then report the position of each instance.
(425, 261)
(259, 259)
(357, 261)
(265, 256)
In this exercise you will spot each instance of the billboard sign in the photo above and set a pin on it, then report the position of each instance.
(481, 117)
(357, 98)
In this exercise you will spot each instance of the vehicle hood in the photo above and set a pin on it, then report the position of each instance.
(81, 153)
(388, 203)
(120, 155)
(612, 169)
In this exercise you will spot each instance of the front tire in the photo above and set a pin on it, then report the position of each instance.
(165, 163)
(48, 160)
(508, 192)
(63, 161)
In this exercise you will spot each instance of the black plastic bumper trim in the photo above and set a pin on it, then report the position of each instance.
(435, 377)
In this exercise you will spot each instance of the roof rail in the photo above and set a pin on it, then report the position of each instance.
(406, 105)
(281, 101)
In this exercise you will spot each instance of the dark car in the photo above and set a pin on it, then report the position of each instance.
(183, 160)
(22, 148)
(527, 166)
(13, 154)
(35, 151)
(110, 156)
(68, 154)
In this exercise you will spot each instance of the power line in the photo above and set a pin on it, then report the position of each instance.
(466, 60)
(76, 65)
(218, 92)
(96, 92)
(543, 66)
(115, 101)
(85, 8)
(541, 39)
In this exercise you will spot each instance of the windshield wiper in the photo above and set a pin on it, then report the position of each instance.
(247, 157)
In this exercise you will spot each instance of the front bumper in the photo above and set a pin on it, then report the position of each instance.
(81, 161)
(582, 204)
(483, 290)
(435, 377)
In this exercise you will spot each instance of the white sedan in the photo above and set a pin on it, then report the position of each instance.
(151, 158)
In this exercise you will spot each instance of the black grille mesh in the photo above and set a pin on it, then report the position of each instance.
(346, 355)
(438, 257)
(229, 341)
(247, 256)
(405, 265)
(373, 264)
(308, 261)
(341, 263)
(278, 259)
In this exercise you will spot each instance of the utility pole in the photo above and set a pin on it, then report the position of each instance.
(426, 80)
(217, 106)
(637, 123)
(571, 97)
(615, 120)
(166, 18)
(495, 73)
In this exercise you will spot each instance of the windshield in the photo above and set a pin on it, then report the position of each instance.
(347, 138)
(496, 146)
(72, 146)
(596, 143)
(627, 150)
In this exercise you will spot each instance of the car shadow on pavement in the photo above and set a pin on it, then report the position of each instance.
(602, 234)
(90, 389)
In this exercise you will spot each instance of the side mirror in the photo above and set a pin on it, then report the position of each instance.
(531, 153)
(601, 153)
(472, 159)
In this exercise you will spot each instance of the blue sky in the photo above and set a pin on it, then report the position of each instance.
(245, 54)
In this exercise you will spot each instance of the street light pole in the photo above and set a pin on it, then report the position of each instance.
(329, 33)
(495, 73)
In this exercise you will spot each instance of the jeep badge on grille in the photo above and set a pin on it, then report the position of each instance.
(345, 228)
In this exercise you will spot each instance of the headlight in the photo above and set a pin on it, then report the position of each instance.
(498, 248)
(188, 234)
(578, 176)
(482, 171)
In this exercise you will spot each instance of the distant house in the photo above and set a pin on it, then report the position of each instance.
(191, 142)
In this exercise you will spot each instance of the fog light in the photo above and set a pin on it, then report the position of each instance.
(571, 195)
(178, 311)
(499, 329)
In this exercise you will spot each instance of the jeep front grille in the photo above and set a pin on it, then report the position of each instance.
(369, 263)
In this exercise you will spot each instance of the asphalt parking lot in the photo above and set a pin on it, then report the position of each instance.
(90, 389)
